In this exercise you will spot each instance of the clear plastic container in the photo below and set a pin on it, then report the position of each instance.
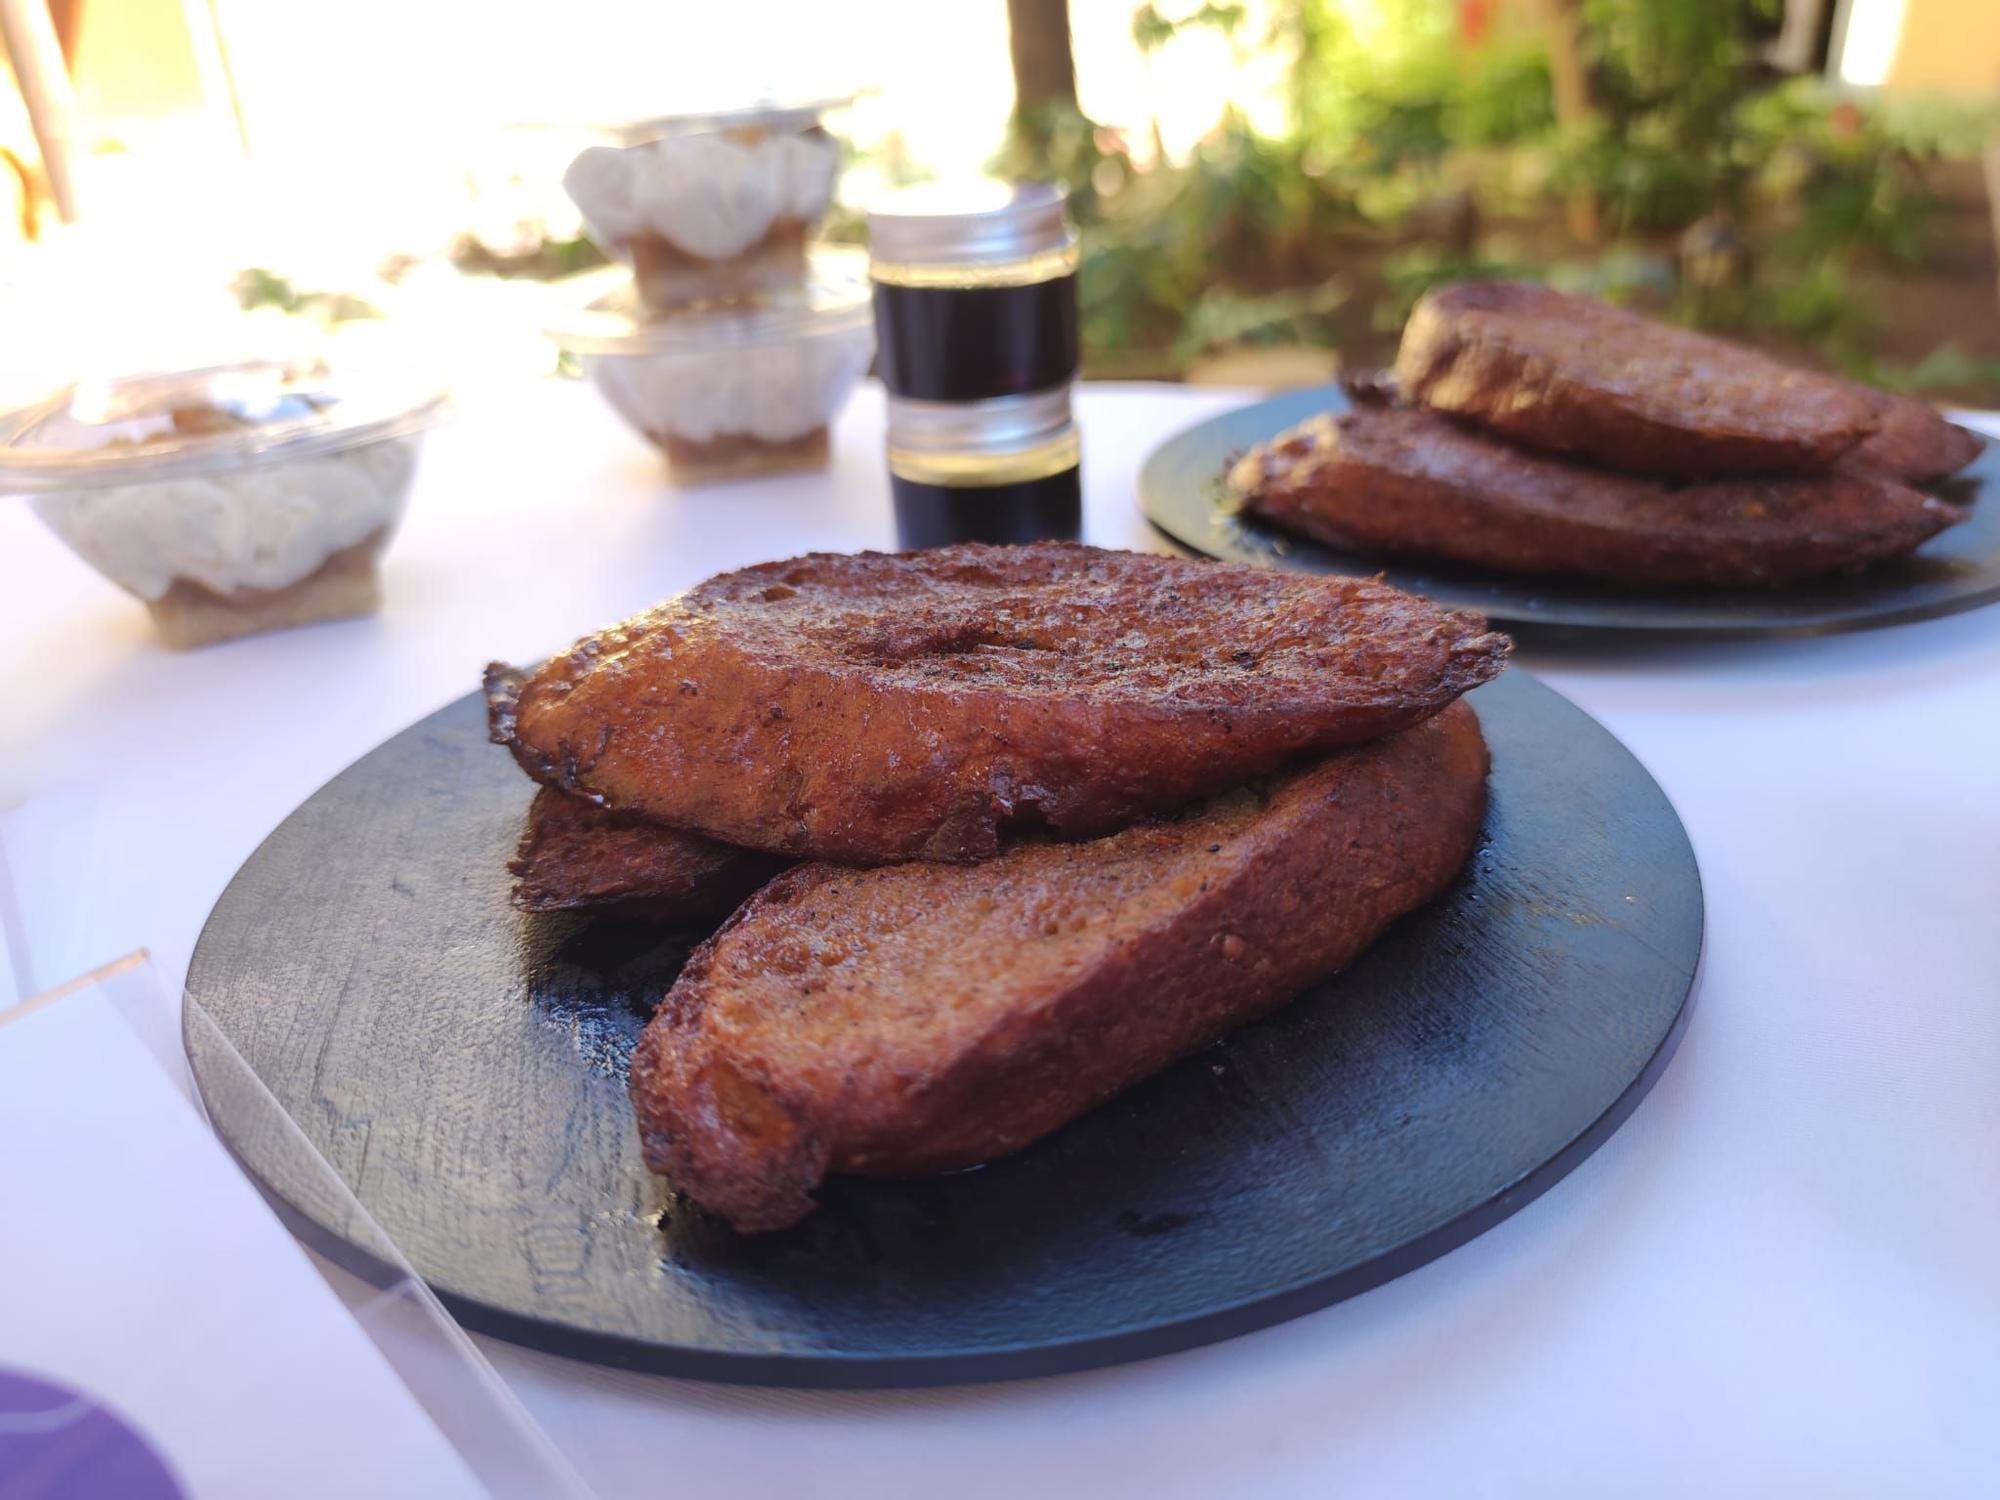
(736, 392)
(713, 207)
(233, 499)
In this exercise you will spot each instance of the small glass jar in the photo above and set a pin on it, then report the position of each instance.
(1005, 470)
(975, 291)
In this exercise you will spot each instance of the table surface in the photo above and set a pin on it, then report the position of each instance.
(1782, 1276)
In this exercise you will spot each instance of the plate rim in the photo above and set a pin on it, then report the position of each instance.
(865, 1371)
(836, 1370)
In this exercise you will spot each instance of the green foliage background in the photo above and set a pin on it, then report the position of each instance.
(1710, 188)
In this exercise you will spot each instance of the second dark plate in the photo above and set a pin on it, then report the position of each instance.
(1181, 492)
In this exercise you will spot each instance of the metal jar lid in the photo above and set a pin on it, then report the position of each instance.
(980, 222)
(978, 443)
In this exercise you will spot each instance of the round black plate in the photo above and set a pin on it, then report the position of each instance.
(462, 1066)
(1181, 492)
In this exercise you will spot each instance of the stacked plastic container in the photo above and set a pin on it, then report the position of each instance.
(233, 498)
(976, 327)
(737, 339)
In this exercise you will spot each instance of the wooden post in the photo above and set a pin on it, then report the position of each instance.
(1993, 202)
(30, 39)
(1574, 105)
(1044, 68)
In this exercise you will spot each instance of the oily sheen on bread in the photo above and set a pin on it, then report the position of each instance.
(1912, 441)
(918, 1017)
(876, 707)
(1576, 376)
(575, 856)
(1400, 481)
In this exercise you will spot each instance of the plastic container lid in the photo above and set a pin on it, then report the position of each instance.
(834, 299)
(767, 114)
(974, 222)
(140, 427)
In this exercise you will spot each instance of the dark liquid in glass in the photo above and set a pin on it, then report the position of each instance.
(1033, 510)
(974, 343)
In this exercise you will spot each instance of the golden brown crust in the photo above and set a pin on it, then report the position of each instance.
(1912, 442)
(872, 708)
(669, 277)
(1394, 480)
(1574, 376)
(917, 1017)
(348, 584)
(739, 455)
(576, 856)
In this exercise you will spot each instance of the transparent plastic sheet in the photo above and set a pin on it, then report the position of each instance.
(61, 1443)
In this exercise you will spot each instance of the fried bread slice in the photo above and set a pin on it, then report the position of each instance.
(918, 1017)
(877, 707)
(1385, 480)
(576, 856)
(1913, 442)
(1575, 376)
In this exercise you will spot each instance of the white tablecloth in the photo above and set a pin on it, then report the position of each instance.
(1781, 1277)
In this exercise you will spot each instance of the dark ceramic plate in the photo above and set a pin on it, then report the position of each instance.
(462, 1066)
(1181, 492)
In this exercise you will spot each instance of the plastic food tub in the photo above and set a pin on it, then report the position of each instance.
(232, 499)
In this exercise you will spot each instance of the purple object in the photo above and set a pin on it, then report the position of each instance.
(59, 1444)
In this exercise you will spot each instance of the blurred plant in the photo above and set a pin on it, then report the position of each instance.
(1406, 92)
(1682, 61)
(1946, 368)
(1621, 276)
(1244, 213)
(1635, 149)
(1222, 318)
(1817, 303)
(260, 287)
(1410, 273)
(1066, 146)
(1152, 30)
(1828, 177)
(1938, 127)
(515, 221)
(882, 166)
(544, 260)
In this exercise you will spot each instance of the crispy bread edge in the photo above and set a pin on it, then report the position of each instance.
(738, 1146)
